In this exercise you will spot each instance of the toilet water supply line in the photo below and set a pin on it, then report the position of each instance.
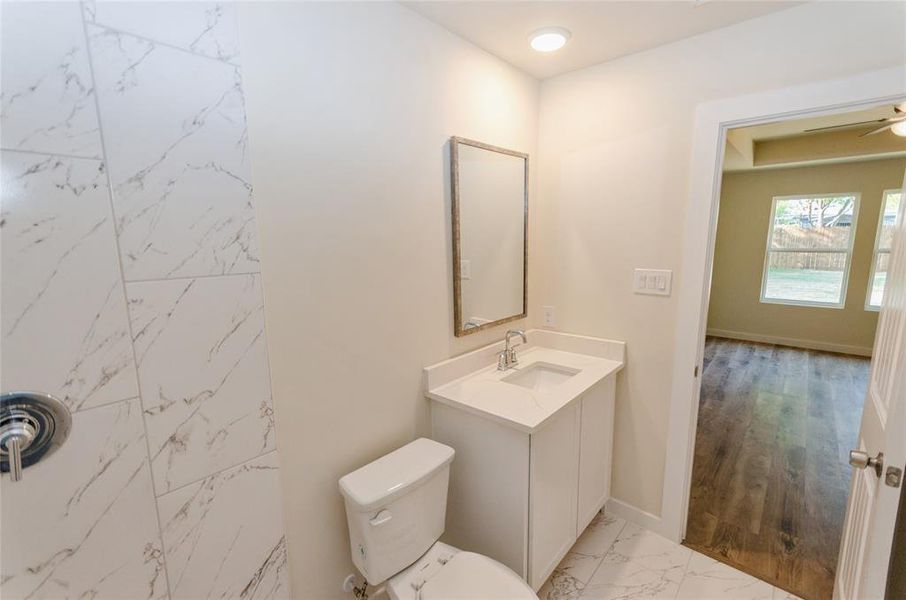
(361, 593)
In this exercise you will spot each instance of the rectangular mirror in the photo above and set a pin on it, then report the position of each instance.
(490, 226)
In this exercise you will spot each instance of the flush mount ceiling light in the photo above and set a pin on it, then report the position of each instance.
(549, 39)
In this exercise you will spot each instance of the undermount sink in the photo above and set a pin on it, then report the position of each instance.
(541, 376)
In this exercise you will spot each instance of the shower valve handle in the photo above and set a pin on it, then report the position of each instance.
(15, 458)
(32, 426)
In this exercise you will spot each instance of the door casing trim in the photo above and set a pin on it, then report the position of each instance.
(712, 121)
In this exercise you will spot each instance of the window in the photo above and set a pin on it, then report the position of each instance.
(810, 244)
(890, 208)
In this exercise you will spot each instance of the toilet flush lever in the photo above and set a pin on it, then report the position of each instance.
(381, 518)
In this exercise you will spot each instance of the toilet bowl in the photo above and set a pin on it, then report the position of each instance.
(447, 573)
(395, 508)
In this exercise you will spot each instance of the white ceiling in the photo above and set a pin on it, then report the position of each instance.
(601, 30)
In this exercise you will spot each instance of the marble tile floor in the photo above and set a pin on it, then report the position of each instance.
(615, 559)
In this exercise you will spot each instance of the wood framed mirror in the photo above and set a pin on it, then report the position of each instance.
(490, 235)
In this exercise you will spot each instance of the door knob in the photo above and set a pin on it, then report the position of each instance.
(862, 460)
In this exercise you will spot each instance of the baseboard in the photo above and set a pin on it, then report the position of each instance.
(618, 508)
(794, 342)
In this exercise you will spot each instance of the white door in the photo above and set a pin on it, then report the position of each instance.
(875, 489)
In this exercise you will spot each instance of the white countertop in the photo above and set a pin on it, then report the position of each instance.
(483, 393)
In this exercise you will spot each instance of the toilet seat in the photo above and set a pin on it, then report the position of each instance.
(470, 576)
(446, 573)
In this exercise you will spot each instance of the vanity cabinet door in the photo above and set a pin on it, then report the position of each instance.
(554, 477)
(595, 450)
(487, 499)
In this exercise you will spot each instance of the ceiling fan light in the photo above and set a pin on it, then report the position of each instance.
(899, 128)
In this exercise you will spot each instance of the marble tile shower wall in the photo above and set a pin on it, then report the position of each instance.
(130, 289)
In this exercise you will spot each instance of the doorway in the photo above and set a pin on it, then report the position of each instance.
(799, 271)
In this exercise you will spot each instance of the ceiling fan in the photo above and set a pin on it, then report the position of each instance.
(896, 123)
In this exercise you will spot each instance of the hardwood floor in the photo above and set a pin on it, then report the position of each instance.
(770, 477)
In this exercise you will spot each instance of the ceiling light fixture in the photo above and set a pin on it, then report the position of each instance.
(899, 128)
(549, 39)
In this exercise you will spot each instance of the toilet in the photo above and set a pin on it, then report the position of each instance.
(396, 508)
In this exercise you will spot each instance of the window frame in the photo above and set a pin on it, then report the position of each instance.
(857, 202)
(876, 252)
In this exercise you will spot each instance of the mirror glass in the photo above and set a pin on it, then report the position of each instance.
(490, 212)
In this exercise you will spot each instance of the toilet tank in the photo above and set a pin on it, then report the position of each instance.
(396, 506)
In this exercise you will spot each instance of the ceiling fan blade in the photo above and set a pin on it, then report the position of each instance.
(879, 129)
(889, 123)
(844, 125)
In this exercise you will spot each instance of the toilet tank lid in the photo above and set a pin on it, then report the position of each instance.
(394, 474)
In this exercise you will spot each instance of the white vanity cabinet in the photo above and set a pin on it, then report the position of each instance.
(523, 497)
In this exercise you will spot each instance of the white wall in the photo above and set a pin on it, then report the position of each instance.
(350, 108)
(615, 144)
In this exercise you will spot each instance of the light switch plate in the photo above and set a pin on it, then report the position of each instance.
(548, 318)
(657, 282)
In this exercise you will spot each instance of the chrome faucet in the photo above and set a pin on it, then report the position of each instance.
(507, 358)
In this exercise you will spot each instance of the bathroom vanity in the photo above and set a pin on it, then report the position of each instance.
(533, 446)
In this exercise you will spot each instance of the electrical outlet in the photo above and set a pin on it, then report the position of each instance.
(548, 318)
(657, 282)
(465, 269)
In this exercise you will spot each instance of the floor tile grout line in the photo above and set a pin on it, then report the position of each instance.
(688, 562)
(187, 277)
(592, 576)
(237, 65)
(46, 153)
(690, 556)
(685, 570)
(122, 273)
(603, 555)
(739, 569)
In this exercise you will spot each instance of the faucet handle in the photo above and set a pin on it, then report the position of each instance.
(514, 360)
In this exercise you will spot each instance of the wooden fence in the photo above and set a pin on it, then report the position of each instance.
(819, 238)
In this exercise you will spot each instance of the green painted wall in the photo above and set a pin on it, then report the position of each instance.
(742, 229)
